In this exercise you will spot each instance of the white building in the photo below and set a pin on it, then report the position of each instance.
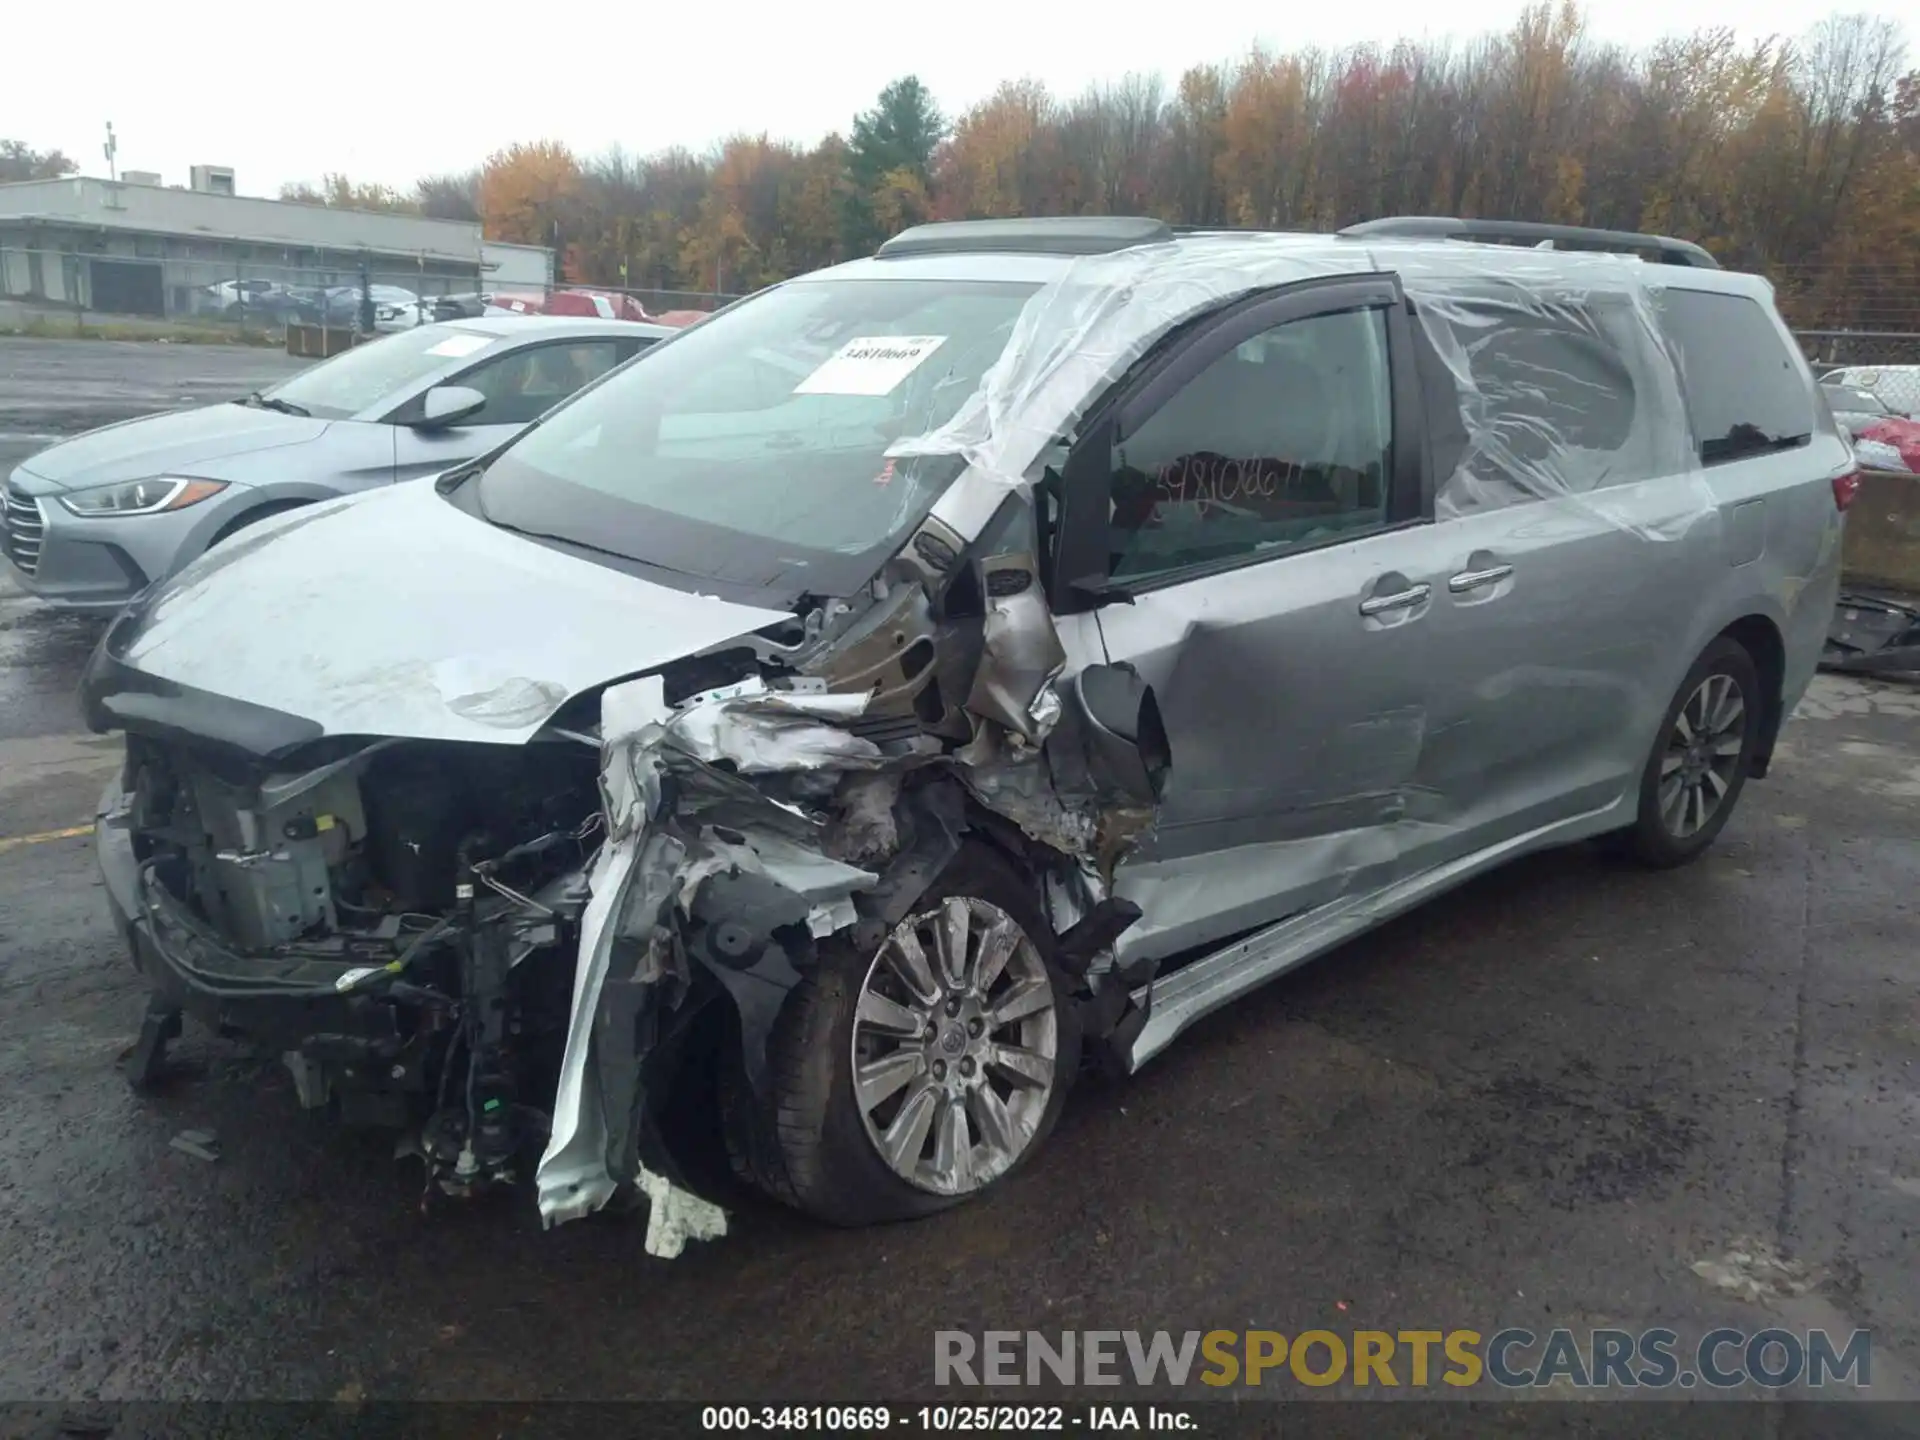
(144, 249)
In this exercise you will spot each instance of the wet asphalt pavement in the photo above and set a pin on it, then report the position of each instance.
(1537, 1102)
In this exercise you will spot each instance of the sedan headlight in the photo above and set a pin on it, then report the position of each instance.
(142, 497)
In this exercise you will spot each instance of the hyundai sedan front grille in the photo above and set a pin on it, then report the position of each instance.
(20, 529)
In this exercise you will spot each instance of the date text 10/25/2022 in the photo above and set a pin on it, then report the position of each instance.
(977, 1419)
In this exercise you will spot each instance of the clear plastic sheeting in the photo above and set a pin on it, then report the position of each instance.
(1077, 334)
(1546, 374)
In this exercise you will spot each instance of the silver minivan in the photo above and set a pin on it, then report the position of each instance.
(943, 673)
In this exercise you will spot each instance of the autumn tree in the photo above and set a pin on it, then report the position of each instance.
(1800, 159)
(527, 193)
(1196, 123)
(20, 161)
(454, 196)
(1269, 138)
(1113, 140)
(341, 193)
(1003, 157)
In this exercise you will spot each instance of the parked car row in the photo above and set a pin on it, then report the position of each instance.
(398, 308)
(394, 306)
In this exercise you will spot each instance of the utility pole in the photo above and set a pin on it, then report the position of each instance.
(111, 150)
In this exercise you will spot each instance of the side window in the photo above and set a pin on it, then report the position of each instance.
(1529, 397)
(1283, 442)
(1745, 395)
(523, 385)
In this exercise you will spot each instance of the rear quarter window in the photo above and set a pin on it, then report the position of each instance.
(1535, 396)
(1744, 388)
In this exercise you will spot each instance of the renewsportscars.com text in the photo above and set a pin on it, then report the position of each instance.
(1511, 1358)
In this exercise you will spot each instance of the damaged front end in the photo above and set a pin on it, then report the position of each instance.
(532, 958)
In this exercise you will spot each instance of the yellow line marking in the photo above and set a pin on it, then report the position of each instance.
(43, 837)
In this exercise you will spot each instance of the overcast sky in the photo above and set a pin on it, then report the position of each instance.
(263, 88)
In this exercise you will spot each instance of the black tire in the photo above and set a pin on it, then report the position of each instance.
(807, 1145)
(1653, 840)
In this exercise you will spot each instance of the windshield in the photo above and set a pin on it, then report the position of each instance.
(368, 374)
(752, 448)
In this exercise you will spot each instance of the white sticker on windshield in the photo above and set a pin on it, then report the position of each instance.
(458, 345)
(870, 365)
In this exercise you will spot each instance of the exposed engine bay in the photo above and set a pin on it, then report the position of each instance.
(525, 957)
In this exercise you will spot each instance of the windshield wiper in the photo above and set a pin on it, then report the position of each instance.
(274, 402)
(570, 542)
(452, 480)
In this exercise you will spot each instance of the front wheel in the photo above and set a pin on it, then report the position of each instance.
(1700, 758)
(917, 1076)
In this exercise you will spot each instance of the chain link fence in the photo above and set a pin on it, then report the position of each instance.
(190, 285)
(1828, 348)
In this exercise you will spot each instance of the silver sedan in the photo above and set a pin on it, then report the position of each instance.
(92, 521)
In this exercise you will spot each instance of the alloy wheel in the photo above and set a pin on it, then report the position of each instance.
(1702, 755)
(955, 1046)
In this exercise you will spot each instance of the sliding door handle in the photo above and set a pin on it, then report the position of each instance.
(1399, 600)
(1474, 579)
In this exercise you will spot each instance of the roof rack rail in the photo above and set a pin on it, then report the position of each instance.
(1664, 248)
(1041, 235)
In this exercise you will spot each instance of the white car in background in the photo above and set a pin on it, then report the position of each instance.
(398, 309)
(1896, 386)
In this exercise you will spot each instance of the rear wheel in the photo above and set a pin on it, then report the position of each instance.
(919, 1075)
(1700, 759)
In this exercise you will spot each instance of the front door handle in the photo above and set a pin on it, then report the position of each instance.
(1473, 579)
(1399, 600)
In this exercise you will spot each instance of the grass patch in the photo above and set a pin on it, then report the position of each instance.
(48, 327)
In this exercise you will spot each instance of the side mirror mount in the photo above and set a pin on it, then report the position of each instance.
(1125, 742)
(445, 405)
(1097, 591)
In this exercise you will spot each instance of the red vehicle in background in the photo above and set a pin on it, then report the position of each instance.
(1883, 438)
(605, 304)
(608, 305)
(1900, 436)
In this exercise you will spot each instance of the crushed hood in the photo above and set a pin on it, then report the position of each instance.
(393, 613)
(183, 442)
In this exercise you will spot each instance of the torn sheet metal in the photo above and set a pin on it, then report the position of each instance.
(654, 862)
(808, 882)
(572, 1179)
(760, 730)
(1021, 656)
(632, 881)
(1017, 782)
